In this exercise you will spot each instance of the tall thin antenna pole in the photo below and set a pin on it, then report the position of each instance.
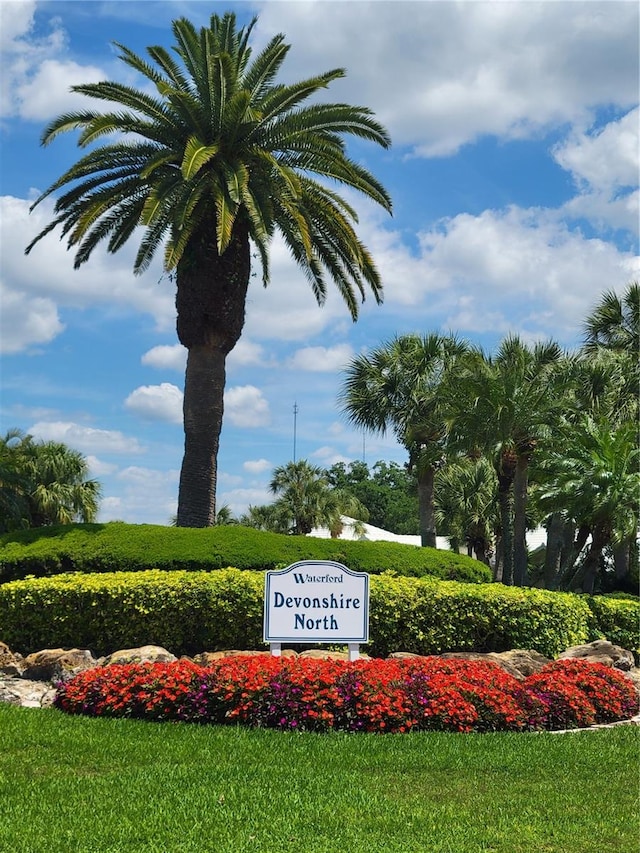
(363, 445)
(295, 421)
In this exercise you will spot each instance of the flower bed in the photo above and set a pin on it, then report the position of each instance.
(300, 694)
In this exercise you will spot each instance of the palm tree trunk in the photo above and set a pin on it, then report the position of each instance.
(480, 550)
(426, 507)
(506, 471)
(520, 553)
(573, 549)
(622, 561)
(210, 300)
(599, 539)
(203, 409)
(553, 551)
(498, 567)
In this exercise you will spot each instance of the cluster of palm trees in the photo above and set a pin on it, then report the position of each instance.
(529, 433)
(43, 483)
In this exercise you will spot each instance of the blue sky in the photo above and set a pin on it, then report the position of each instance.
(513, 174)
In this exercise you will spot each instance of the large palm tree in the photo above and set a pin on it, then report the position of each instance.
(503, 405)
(218, 159)
(397, 387)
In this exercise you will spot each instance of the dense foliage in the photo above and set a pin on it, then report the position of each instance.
(190, 612)
(305, 499)
(387, 490)
(371, 696)
(43, 483)
(558, 429)
(134, 547)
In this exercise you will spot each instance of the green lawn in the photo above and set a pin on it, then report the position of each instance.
(78, 785)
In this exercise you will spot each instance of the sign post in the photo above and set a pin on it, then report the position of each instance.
(316, 601)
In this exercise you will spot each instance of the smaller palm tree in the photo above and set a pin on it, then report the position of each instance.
(268, 517)
(397, 387)
(594, 477)
(614, 323)
(505, 406)
(466, 505)
(45, 483)
(308, 501)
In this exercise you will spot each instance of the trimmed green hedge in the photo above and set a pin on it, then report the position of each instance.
(618, 618)
(189, 612)
(135, 547)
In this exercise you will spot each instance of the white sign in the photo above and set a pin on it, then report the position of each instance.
(316, 601)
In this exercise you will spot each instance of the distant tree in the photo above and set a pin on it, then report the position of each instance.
(388, 491)
(44, 483)
(224, 516)
(14, 484)
(209, 159)
(306, 498)
(267, 517)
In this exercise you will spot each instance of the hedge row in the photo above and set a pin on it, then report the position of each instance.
(189, 612)
(135, 547)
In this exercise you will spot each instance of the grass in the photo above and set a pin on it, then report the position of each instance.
(123, 786)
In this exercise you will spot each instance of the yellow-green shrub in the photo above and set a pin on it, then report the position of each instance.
(182, 611)
(618, 619)
(430, 617)
(188, 612)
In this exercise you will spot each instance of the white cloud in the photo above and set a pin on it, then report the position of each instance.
(146, 495)
(99, 467)
(36, 75)
(509, 269)
(622, 212)
(245, 406)
(156, 402)
(25, 321)
(16, 20)
(85, 439)
(322, 359)
(501, 270)
(147, 477)
(440, 75)
(605, 166)
(46, 92)
(246, 353)
(36, 286)
(607, 159)
(166, 357)
(257, 466)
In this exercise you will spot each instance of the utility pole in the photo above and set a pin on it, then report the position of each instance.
(295, 421)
